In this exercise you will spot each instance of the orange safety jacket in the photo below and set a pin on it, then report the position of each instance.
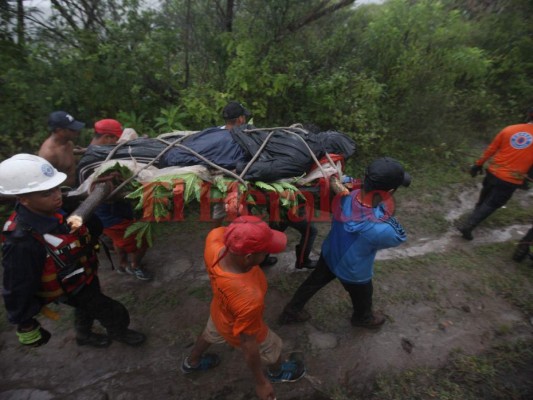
(511, 152)
(71, 261)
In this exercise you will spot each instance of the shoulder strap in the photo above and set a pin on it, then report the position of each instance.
(107, 252)
(49, 251)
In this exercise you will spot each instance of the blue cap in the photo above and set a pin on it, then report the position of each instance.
(62, 119)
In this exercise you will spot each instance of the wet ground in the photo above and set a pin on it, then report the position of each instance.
(421, 331)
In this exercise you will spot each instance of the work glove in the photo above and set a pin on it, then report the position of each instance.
(34, 336)
(476, 170)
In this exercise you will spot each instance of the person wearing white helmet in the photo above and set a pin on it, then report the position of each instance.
(44, 262)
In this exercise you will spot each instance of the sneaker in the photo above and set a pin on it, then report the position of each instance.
(130, 337)
(121, 270)
(374, 322)
(291, 371)
(289, 316)
(207, 361)
(93, 339)
(139, 273)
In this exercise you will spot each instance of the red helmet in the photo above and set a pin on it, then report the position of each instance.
(108, 127)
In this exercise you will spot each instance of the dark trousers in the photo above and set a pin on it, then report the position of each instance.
(308, 234)
(360, 294)
(494, 194)
(528, 239)
(91, 304)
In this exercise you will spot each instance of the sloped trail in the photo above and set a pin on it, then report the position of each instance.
(438, 312)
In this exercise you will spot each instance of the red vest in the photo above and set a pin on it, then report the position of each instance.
(70, 262)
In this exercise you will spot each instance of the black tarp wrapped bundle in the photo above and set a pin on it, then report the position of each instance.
(142, 149)
(285, 155)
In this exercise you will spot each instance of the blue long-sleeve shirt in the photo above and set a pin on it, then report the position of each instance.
(356, 234)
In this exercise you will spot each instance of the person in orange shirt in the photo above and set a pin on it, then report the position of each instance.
(232, 256)
(511, 167)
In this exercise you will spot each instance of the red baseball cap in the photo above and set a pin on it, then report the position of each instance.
(108, 127)
(248, 234)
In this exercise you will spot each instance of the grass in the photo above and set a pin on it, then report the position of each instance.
(161, 299)
(474, 272)
(513, 213)
(435, 188)
(286, 284)
(480, 270)
(501, 373)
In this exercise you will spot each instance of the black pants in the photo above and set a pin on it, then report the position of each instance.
(307, 230)
(91, 304)
(494, 194)
(360, 294)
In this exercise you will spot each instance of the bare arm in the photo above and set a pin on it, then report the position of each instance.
(250, 348)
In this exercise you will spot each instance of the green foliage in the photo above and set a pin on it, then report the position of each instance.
(155, 199)
(431, 68)
(142, 231)
(135, 121)
(170, 120)
(425, 72)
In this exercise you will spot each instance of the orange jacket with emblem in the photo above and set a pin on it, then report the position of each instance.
(511, 152)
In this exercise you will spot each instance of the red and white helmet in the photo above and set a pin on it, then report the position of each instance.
(27, 173)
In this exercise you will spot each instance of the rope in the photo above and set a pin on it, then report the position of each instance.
(206, 161)
(285, 129)
(256, 155)
(310, 151)
(119, 187)
(115, 149)
(176, 143)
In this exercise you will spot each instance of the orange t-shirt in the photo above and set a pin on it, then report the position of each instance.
(238, 299)
(511, 152)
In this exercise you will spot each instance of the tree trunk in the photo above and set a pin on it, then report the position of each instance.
(20, 22)
(81, 214)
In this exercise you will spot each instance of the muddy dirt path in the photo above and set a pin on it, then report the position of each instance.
(436, 315)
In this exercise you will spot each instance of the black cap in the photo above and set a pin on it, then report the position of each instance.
(385, 174)
(62, 119)
(234, 110)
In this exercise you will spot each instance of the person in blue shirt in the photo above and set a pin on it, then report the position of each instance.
(363, 223)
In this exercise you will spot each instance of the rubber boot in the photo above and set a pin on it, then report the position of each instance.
(307, 262)
(129, 337)
(84, 334)
(522, 248)
(478, 215)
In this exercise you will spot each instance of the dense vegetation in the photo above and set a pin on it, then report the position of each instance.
(429, 73)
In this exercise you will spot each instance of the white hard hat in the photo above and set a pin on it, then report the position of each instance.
(26, 173)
